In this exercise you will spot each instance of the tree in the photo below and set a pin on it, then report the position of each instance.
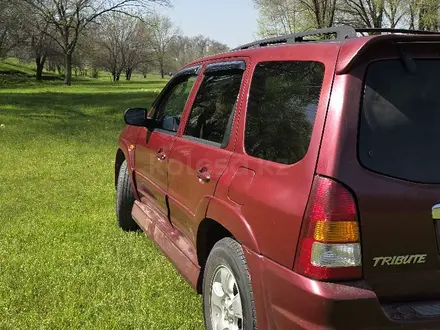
(183, 49)
(201, 44)
(429, 15)
(319, 13)
(287, 16)
(121, 44)
(41, 45)
(107, 45)
(70, 17)
(162, 32)
(395, 11)
(133, 44)
(216, 47)
(10, 27)
(277, 16)
(421, 14)
(364, 13)
(37, 39)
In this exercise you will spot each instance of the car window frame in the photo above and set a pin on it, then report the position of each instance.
(193, 71)
(211, 69)
(318, 105)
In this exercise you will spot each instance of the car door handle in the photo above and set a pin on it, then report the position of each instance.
(203, 175)
(161, 156)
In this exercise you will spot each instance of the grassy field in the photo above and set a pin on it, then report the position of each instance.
(64, 263)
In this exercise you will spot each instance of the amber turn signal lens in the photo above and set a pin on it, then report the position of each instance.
(336, 231)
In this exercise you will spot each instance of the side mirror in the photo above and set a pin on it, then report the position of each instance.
(138, 117)
(135, 116)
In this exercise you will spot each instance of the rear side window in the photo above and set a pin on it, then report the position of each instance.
(281, 110)
(213, 110)
(400, 120)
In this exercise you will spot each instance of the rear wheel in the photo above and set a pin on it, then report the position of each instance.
(125, 200)
(228, 301)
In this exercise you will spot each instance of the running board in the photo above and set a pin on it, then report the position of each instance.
(174, 245)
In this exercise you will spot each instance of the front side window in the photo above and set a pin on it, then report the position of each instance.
(171, 107)
(281, 110)
(400, 120)
(213, 110)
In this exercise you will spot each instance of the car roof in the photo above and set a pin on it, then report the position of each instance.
(351, 41)
(252, 52)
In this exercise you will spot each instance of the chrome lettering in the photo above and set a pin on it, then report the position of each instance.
(422, 259)
(386, 260)
(376, 260)
(399, 260)
(407, 260)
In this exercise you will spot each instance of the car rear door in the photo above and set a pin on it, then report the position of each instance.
(154, 146)
(200, 156)
(382, 141)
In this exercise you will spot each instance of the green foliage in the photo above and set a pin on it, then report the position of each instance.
(64, 263)
(288, 16)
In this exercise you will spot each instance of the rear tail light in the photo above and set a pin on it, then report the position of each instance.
(330, 246)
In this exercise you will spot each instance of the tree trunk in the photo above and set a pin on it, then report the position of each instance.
(39, 61)
(162, 73)
(145, 76)
(128, 74)
(68, 77)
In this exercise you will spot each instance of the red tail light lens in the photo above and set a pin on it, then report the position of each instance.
(330, 245)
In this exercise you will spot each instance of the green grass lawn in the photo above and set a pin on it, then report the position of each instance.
(64, 263)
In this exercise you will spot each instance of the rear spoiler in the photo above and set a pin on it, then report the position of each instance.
(352, 49)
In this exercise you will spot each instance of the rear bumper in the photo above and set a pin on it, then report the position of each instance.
(286, 300)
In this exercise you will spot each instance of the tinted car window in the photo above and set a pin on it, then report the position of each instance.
(213, 109)
(281, 110)
(400, 120)
(170, 110)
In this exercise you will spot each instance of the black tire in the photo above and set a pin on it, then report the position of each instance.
(125, 200)
(228, 252)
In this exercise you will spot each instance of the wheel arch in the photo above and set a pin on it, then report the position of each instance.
(125, 152)
(119, 159)
(221, 220)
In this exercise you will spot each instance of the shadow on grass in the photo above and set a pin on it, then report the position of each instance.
(86, 116)
(73, 105)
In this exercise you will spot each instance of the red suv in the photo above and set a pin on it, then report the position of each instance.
(295, 181)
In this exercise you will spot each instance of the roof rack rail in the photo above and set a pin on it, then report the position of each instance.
(341, 32)
(389, 30)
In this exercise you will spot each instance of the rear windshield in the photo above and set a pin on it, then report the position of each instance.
(400, 120)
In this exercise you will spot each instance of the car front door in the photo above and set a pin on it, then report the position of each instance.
(201, 154)
(154, 145)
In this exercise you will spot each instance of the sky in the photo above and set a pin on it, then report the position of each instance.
(232, 22)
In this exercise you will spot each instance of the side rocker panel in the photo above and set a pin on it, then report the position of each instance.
(174, 245)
